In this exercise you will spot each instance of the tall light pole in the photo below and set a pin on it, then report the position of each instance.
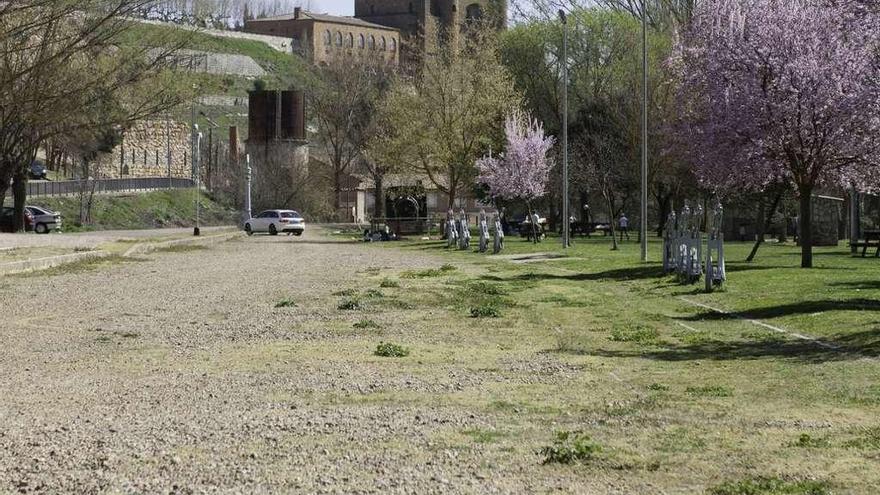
(566, 216)
(197, 160)
(643, 228)
(247, 204)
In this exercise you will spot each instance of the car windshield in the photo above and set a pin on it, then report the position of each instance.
(289, 214)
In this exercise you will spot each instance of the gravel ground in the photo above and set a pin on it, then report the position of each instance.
(91, 239)
(177, 374)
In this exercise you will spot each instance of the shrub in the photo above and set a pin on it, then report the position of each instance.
(569, 447)
(485, 311)
(350, 304)
(387, 349)
(285, 303)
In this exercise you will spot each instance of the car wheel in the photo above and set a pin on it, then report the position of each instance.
(298, 233)
(273, 230)
(248, 230)
(41, 228)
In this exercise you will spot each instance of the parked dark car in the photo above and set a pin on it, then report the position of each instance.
(38, 171)
(7, 219)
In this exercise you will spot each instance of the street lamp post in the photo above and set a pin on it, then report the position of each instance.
(643, 228)
(197, 160)
(566, 216)
(247, 204)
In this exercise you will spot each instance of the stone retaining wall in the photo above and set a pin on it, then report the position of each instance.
(143, 152)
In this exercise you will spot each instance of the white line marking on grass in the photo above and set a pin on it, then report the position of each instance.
(765, 325)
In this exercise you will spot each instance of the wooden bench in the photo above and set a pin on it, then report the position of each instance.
(871, 240)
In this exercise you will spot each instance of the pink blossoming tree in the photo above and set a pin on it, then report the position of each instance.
(522, 171)
(783, 91)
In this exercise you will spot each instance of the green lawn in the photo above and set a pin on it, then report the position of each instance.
(664, 393)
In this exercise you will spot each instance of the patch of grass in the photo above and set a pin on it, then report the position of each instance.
(395, 303)
(484, 436)
(771, 486)
(763, 336)
(639, 334)
(364, 324)
(387, 283)
(430, 272)
(658, 387)
(388, 349)
(808, 441)
(181, 248)
(128, 335)
(373, 294)
(689, 337)
(285, 303)
(350, 304)
(485, 311)
(345, 292)
(563, 301)
(80, 266)
(570, 447)
(485, 288)
(710, 391)
(866, 438)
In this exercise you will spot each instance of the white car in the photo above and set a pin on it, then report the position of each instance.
(275, 221)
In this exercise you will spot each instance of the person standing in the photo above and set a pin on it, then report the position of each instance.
(623, 226)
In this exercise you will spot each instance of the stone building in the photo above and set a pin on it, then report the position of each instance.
(150, 148)
(321, 38)
(430, 21)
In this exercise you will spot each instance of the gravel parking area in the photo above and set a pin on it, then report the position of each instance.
(177, 374)
(91, 240)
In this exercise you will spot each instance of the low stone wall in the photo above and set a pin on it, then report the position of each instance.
(143, 152)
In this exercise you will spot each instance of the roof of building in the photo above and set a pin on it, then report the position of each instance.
(335, 19)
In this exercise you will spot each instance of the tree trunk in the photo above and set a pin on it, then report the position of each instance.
(533, 223)
(379, 193)
(664, 202)
(19, 198)
(337, 190)
(806, 227)
(764, 221)
(614, 246)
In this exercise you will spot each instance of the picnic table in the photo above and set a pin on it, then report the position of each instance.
(871, 239)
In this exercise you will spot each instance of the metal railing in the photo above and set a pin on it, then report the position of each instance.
(129, 184)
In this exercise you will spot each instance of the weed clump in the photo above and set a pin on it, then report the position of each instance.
(658, 387)
(570, 447)
(806, 440)
(431, 272)
(710, 391)
(364, 324)
(869, 438)
(639, 334)
(350, 304)
(387, 349)
(485, 311)
(285, 303)
(389, 284)
(345, 292)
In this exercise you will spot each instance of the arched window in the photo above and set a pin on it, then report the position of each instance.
(393, 45)
(382, 45)
(338, 38)
(361, 42)
(350, 42)
(327, 37)
(371, 44)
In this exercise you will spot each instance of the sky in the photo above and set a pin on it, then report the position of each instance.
(337, 7)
